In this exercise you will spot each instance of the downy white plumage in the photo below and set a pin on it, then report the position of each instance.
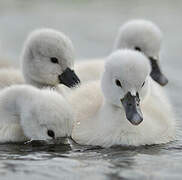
(30, 113)
(47, 60)
(110, 114)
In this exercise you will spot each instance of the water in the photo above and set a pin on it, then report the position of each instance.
(92, 25)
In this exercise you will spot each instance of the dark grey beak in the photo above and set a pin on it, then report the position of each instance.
(131, 106)
(69, 78)
(156, 73)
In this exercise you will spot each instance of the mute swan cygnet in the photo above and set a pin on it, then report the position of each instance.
(30, 113)
(47, 60)
(144, 36)
(126, 110)
(140, 35)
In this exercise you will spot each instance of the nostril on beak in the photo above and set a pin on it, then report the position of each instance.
(74, 79)
(136, 119)
(60, 78)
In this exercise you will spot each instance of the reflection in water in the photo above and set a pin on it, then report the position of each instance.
(92, 26)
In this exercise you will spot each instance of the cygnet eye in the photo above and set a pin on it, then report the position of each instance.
(143, 83)
(137, 48)
(118, 83)
(54, 60)
(51, 134)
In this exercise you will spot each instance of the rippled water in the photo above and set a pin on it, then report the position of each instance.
(92, 25)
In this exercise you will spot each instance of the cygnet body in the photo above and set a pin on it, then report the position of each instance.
(30, 113)
(125, 109)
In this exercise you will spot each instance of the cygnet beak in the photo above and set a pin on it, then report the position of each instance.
(131, 106)
(156, 73)
(69, 78)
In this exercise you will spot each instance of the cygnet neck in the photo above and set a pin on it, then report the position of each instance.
(37, 84)
(107, 109)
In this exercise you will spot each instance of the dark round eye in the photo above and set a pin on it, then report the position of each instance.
(51, 133)
(137, 48)
(118, 83)
(143, 83)
(54, 60)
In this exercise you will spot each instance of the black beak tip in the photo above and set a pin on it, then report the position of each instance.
(163, 81)
(160, 78)
(132, 109)
(136, 120)
(76, 81)
(69, 78)
(156, 73)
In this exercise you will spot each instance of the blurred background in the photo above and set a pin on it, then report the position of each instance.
(92, 26)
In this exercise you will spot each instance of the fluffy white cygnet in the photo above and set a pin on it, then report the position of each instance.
(146, 37)
(140, 35)
(29, 113)
(125, 109)
(47, 60)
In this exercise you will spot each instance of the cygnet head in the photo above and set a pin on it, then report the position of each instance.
(46, 116)
(144, 36)
(125, 82)
(48, 58)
